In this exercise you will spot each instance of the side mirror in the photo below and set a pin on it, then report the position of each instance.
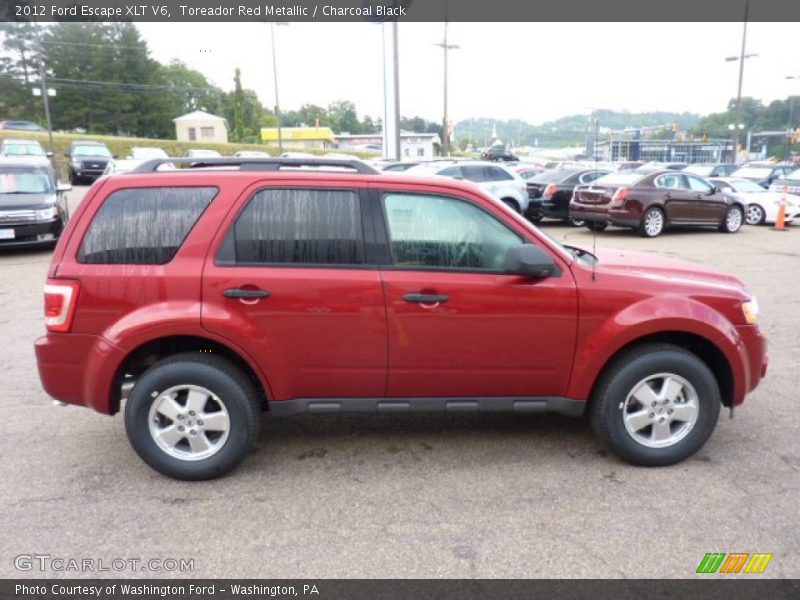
(66, 154)
(63, 187)
(531, 261)
(713, 190)
(115, 156)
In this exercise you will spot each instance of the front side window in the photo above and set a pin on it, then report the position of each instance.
(698, 185)
(445, 233)
(295, 226)
(143, 226)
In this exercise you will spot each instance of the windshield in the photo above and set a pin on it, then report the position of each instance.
(23, 150)
(619, 178)
(759, 172)
(25, 181)
(747, 185)
(91, 151)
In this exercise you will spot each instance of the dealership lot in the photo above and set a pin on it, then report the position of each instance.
(415, 496)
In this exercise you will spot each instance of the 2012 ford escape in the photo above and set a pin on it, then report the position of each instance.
(208, 294)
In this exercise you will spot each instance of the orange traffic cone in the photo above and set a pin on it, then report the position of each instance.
(779, 221)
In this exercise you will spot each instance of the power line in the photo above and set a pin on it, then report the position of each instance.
(109, 46)
(133, 86)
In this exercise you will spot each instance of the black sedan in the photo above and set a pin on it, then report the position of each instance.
(551, 191)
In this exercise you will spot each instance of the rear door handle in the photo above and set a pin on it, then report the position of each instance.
(240, 293)
(426, 298)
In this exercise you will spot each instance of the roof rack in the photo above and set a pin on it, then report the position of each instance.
(255, 164)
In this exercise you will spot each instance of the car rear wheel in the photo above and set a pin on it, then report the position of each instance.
(595, 226)
(192, 416)
(576, 222)
(511, 203)
(755, 215)
(656, 405)
(732, 221)
(653, 222)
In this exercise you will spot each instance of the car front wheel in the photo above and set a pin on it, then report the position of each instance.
(192, 416)
(755, 215)
(656, 405)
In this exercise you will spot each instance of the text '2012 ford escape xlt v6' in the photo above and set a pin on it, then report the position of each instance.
(211, 293)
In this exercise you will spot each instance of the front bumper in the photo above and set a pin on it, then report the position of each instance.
(27, 234)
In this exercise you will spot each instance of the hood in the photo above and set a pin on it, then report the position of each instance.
(26, 201)
(664, 269)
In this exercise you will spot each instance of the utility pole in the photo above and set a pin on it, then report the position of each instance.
(445, 127)
(43, 82)
(275, 75)
(791, 120)
(741, 58)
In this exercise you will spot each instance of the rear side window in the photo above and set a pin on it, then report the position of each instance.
(292, 226)
(143, 226)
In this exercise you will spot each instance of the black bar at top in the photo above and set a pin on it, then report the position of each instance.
(333, 11)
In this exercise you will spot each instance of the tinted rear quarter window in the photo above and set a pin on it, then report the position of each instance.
(143, 226)
(297, 226)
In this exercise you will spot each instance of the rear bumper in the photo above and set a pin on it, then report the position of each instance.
(79, 369)
(603, 214)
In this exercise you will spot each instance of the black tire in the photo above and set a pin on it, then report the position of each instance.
(511, 203)
(575, 222)
(733, 219)
(596, 226)
(611, 401)
(655, 216)
(233, 388)
(756, 215)
(535, 217)
(73, 179)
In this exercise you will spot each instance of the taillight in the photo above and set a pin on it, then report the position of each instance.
(550, 189)
(619, 196)
(60, 299)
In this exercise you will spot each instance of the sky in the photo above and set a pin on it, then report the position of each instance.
(532, 71)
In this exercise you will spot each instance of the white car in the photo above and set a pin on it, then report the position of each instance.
(251, 154)
(146, 153)
(762, 205)
(498, 180)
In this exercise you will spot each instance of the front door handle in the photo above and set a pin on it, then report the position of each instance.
(426, 298)
(240, 293)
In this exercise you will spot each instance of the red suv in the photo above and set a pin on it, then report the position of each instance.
(206, 295)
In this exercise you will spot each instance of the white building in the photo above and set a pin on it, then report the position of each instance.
(200, 126)
(413, 146)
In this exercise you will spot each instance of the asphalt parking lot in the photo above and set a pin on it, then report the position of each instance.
(502, 496)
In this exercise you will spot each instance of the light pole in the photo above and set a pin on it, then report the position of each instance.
(275, 74)
(445, 128)
(791, 118)
(741, 58)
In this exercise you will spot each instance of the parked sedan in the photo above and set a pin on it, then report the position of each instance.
(764, 175)
(498, 180)
(762, 205)
(712, 169)
(651, 202)
(551, 191)
(791, 183)
(21, 125)
(33, 208)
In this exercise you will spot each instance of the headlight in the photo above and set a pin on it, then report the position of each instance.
(750, 310)
(46, 214)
